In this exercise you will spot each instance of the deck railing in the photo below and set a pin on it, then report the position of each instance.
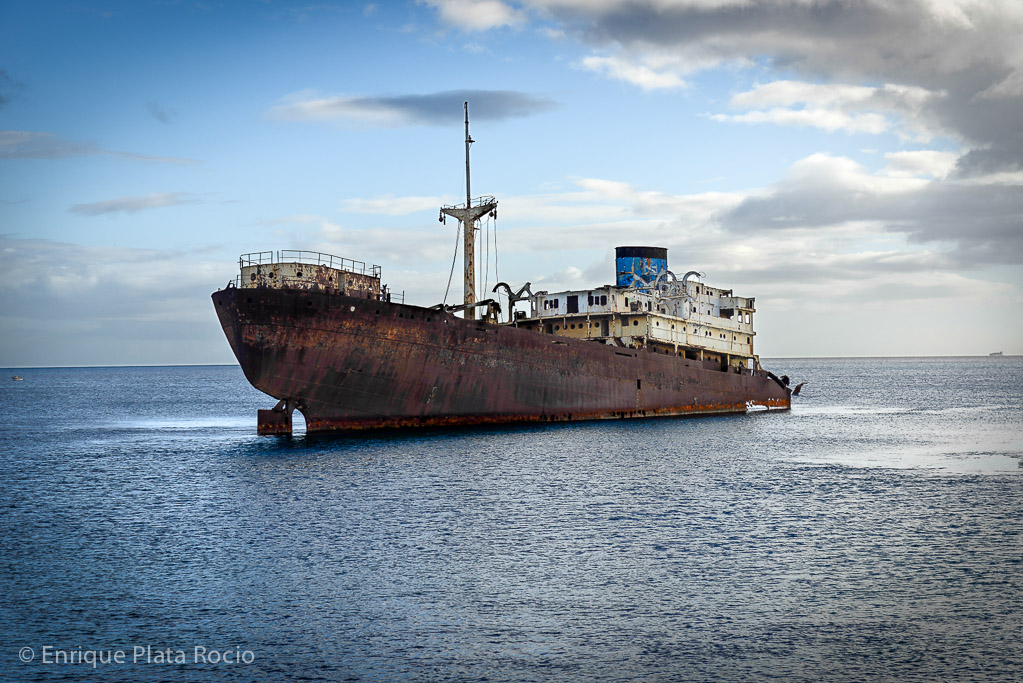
(316, 258)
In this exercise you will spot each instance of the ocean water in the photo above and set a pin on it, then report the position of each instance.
(875, 532)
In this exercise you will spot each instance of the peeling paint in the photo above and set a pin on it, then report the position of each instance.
(360, 363)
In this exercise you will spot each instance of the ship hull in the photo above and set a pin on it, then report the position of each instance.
(353, 364)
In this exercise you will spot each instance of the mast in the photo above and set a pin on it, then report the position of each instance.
(468, 141)
(468, 216)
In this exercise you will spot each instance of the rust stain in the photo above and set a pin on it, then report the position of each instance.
(356, 363)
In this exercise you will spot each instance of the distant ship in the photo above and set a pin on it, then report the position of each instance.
(322, 335)
(996, 353)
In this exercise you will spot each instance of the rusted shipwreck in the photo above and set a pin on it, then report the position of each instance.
(325, 337)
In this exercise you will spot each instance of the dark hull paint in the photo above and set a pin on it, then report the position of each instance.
(350, 364)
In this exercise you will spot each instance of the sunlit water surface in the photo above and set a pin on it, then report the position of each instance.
(872, 533)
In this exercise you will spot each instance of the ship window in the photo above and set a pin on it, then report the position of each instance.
(603, 299)
(573, 326)
(635, 322)
(626, 301)
(639, 384)
(648, 305)
(589, 300)
(557, 327)
(572, 304)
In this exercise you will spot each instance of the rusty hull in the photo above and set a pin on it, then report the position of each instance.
(350, 363)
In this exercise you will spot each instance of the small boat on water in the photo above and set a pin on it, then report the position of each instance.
(995, 353)
(18, 378)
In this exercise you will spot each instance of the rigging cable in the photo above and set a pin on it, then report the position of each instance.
(454, 257)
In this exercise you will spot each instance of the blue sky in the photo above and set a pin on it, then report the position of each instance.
(857, 167)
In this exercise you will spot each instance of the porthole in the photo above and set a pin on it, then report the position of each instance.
(635, 322)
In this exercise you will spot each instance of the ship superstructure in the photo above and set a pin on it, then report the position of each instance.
(649, 308)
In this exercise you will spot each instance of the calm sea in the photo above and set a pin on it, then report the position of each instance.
(875, 532)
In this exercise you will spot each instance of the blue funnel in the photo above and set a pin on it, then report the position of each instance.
(644, 262)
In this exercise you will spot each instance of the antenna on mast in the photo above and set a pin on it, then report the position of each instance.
(468, 216)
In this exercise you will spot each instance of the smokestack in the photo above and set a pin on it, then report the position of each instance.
(645, 262)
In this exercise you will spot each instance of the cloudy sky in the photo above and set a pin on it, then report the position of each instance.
(857, 167)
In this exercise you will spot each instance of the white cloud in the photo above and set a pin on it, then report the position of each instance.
(833, 107)
(390, 205)
(121, 305)
(627, 70)
(795, 92)
(920, 163)
(829, 120)
(24, 144)
(399, 245)
(952, 67)
(308, 105)
(477, 15)
(135, 204)
(973, 223)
